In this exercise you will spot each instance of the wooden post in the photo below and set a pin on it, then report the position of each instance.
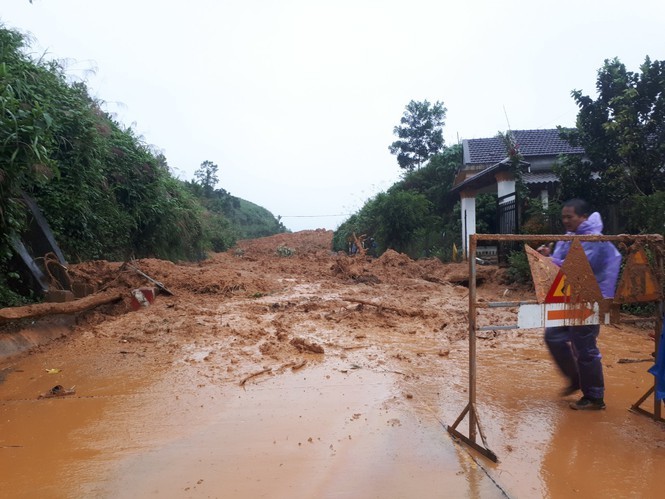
(472, 337)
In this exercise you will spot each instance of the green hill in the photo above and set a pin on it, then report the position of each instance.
(252, 220)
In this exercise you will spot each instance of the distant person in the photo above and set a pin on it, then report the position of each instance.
(574, 348)
(372, 247)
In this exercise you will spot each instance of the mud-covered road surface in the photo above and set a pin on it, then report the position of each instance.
(313, 375)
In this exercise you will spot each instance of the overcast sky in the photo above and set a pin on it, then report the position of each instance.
(296, 100)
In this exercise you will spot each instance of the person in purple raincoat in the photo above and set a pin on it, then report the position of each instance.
(574, 348)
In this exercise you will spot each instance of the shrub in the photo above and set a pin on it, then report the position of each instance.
(285, 251)
(518, 267)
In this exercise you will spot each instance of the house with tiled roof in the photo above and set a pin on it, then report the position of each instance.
(486, 168)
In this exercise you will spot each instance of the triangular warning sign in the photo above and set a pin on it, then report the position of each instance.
(638, 283)
(560, 291)
(579, 276)
(543, 272)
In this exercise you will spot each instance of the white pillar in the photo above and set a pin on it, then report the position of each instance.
(468, 205)
(505, 185)
(544, 198)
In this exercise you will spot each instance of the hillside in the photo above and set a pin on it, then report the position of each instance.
(251, 220)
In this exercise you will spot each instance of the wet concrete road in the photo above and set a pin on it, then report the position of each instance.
(310, 433)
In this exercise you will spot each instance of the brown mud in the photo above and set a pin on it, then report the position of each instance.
(311, 375)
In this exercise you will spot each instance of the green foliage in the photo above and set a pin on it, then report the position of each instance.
(219, 232)
(397, 220)
(365, 221)
(420, 133)
(401, 215)
(518, 267)
(436, 178)
(622, 134)
(285, 251)
(451, 234)
(640, 309)
(207, 177)
(515, 158)
(578, 179)
(417, 216)
(537, 219)
(8, 297)
(645, 214)
(252, 220)
(245, 220)
(25, 131)
(104, 193)
(486, 214)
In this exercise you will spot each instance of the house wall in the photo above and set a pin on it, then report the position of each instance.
(540, 163)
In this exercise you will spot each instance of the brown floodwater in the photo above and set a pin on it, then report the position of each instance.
(154, 427)
(309, 433)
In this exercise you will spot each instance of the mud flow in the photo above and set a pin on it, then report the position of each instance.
(313, 375)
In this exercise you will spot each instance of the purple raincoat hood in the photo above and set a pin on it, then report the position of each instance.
(604, 258)
(592, 225)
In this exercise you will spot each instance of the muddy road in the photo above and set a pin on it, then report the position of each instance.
(306, 376)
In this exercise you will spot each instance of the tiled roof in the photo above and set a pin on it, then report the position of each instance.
(530, 143)
(539, 178)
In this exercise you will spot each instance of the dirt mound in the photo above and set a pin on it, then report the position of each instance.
(268, 297)
(301, 243)
(353, 269)
(392, 258)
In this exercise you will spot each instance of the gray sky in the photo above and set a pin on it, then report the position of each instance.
(296, 100)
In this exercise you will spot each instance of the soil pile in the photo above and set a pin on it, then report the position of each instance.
(264, 299)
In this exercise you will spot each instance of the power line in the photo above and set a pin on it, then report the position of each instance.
(316, 216)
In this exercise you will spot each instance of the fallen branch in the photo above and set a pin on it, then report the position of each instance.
(145, 276)
(70, 307)
(359, 242)
(245, 380)
(410, 313)
(631, 361)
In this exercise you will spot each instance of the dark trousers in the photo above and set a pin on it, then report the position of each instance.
(576, 354)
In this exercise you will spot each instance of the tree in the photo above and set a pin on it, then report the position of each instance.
(435, 179)
(420, 133)
(623, 135)
(400, 215)
(207, 177)
(417, 216)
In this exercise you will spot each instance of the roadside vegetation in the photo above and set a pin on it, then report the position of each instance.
(622, 173)
(104, 192)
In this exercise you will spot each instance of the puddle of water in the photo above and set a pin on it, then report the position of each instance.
(46, 449)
